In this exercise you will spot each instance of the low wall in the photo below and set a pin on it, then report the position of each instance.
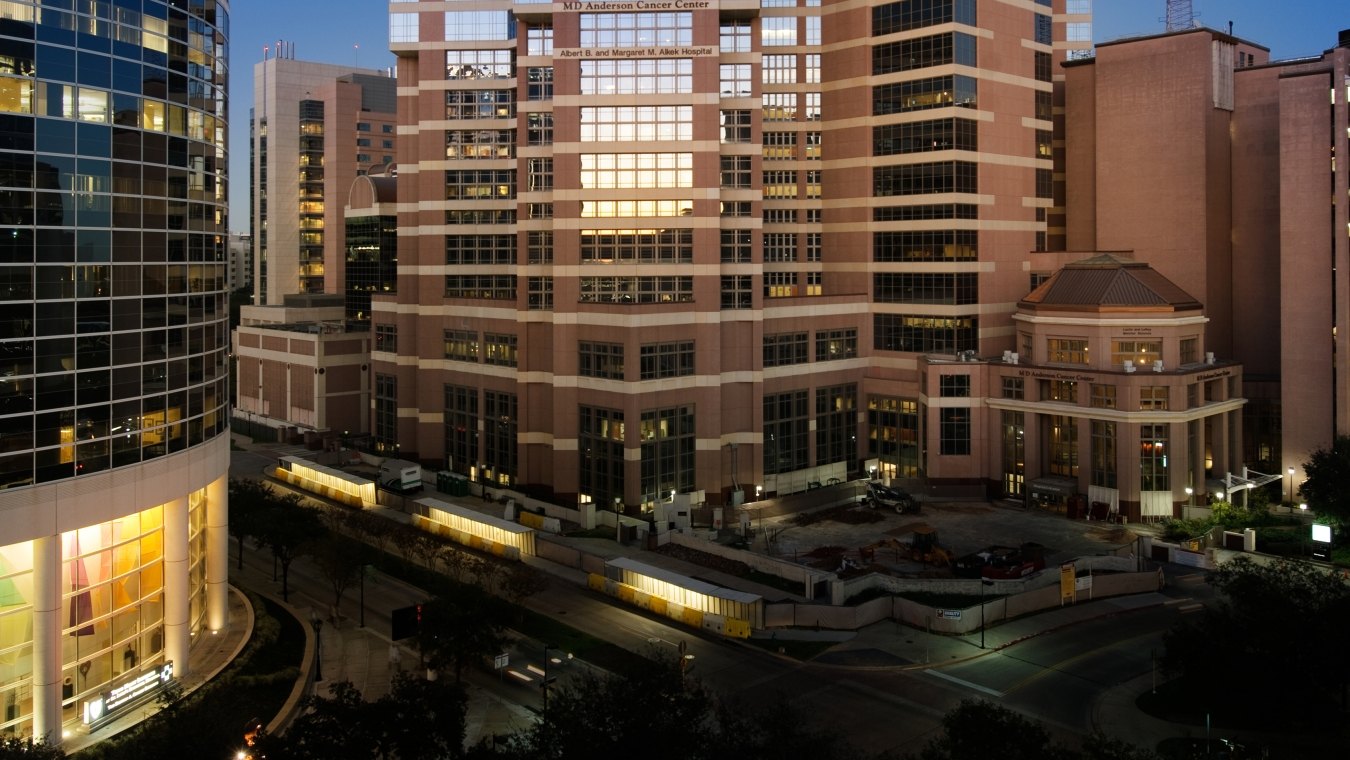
(790, 571)
(558, 553)
(1007, 601)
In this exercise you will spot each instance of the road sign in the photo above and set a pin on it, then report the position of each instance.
(501, 661)
(950, 614)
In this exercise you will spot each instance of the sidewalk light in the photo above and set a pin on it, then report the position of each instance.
(1190, 496)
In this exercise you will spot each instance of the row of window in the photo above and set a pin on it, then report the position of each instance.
(1140, 352)
(783, 349)
(498, 349)
(655, 361)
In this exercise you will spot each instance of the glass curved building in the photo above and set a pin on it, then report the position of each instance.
(114, 450)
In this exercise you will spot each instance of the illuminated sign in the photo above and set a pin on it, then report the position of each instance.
(1321, 533)
(116, 700)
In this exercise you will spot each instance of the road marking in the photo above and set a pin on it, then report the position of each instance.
(962, 682)
(1189, 608)
(1191, 578)
(1171, 602)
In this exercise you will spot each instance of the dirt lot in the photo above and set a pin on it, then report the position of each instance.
(961, 528)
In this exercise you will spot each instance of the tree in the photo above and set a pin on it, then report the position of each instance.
(341, 561)
(978, 730)
(249, 499)
(456, 632)
(288, 528)
(1326, 485)
(28, 748)
(416, 719)
(1272, 647)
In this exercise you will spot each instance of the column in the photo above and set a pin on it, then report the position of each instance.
(176, 634)
(217, 555)
(47, 638)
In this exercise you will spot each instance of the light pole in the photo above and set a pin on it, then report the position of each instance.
(544, 686)
(1190, 496)
(317, 622)
(618, 524)
(983, 583)
(1291, 484)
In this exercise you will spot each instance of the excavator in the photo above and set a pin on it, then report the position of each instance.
(924, 548)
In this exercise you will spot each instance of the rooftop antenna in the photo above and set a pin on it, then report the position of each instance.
(1180, 15)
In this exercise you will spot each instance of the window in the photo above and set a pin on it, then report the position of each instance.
(386, 338)
(736, 171)
(386, 412)
(539, 83)
(954, 386)
(1066, 350)
(461, 345)
(603, 360)
(954, 431)
(735, 37)
(480, 249)
(903, 15)
(1045, 187)
(1103, 453)
(736, 126)
(1153, 449)
(779, 106)
(923, 52)
(893, 435)
(479, 64)
(539, 246)
(500, 433)
(943, 288)
(811, 143)
(499, 349)
(737, 291)
(1064, 391)
(1153, 397)
(630, 123)
(780, 284)
(815, 283)
(1142, 352)
(1044, 105)
(1103, 396)
(480, 216)
(813, 30)
(780, 146)
(539, 40)
(836, 424)
(659, 360)
(480, 104)
(780, 216)
(637, 290)
(1062, 446)
(920, 94)
(621, 30)
(600, 437)
(1042, 29)
(487, 287)
(1044, 149)
(479, 25)
(1078, 31)
(924, 334)
(461, 427)
(539, 128)
(780, 246)
(786, 426)
(667, 449)
(832, 345)
(480, 184)
(779, 69)
(778, 30)
(813, 77)
(736, 81)
(925, 136)
(540, 293)
(1014, 387)
(736, 246)
(735, 208)
(660, 76)
(814, 246)
(643, 246)
(925, 245)
(480, 143)
(622, 171)
(1190, 350)
(403, 27)
(539, 210)
(925, 211)
(611, 209)
(539, 175)
(780, 184)
(783, 349)
(918, 179)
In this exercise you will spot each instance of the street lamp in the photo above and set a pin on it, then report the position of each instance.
(618, 524)
(1190, 496)
(983, 583)
(544, 686)
(317, 622)
(1291, 484)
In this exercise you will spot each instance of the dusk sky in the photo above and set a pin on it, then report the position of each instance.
(356, 32)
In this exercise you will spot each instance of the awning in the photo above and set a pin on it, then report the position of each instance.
(1053, 486)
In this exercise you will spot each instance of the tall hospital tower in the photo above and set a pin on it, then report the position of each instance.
(699, 246)
(113, 342)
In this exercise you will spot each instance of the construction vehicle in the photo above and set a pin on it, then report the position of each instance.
(868, 553)
(926, 549)
(891, 498)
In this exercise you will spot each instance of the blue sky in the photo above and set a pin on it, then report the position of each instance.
(356, 32)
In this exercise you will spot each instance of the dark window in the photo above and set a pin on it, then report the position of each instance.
(660, 360)
(668, 446)
(923, 52)
(836, 424)
(924, 334)
(786, 427)
(500, 428)
(783, 349)
(603, 360)
(925, 245)
(923, 179)
(461, 428)
(954, 436)
(925, 136)
(954, 386)
(925, 211)
(915, 14)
